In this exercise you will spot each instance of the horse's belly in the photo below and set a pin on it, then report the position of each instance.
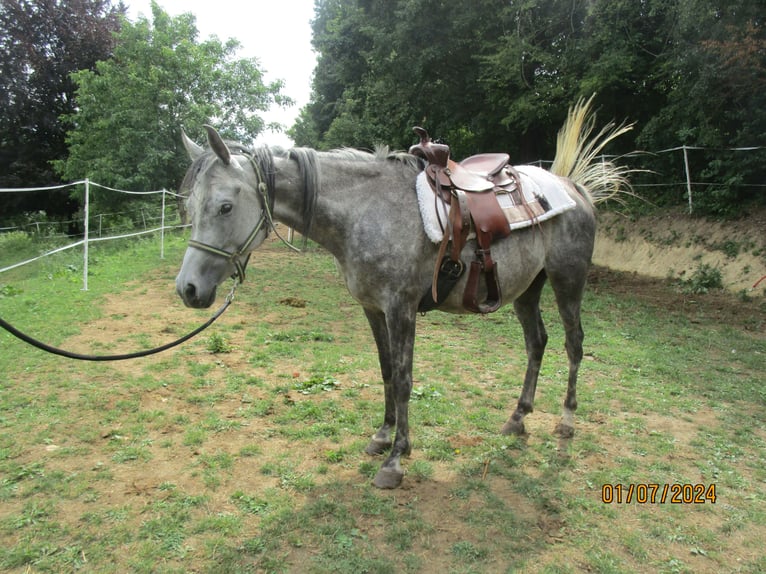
(517, 264)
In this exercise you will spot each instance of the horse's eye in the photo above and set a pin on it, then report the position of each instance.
(225, 208)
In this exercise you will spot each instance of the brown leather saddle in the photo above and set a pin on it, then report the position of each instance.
(470, 187)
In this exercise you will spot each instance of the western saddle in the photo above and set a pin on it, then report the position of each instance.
(470, 187)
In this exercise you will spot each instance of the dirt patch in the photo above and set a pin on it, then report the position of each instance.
(674, 245)
(748, 313)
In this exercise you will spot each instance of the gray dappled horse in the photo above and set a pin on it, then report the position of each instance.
(362, 208)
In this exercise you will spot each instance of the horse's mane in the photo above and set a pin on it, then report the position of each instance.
(308, 165)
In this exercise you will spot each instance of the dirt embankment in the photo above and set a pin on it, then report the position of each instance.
(675, 245)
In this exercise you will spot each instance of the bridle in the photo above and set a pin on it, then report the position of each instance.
(235, 257)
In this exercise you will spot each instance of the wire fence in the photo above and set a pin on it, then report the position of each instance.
(121, 225)
(680, 176)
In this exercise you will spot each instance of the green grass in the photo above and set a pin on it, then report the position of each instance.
(242, 450)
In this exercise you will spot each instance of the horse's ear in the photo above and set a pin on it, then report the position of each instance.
(218, 145)
(192, 148)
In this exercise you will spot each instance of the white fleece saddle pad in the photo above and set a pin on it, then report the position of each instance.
(545, 192)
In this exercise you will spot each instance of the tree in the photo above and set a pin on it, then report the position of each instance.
(41, 43)
(493, 75)
(386, 66)
(132, 107)
(715, 98)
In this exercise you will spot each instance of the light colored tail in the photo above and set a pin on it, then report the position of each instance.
(577, 153)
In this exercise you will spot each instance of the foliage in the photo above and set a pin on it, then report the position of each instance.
(41, 43)
(13, 241)
(714, 91)
(495, 75)
(132, 107)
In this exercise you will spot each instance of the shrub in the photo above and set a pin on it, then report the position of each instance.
(14, 241)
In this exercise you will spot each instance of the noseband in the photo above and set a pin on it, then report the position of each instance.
(235, 257)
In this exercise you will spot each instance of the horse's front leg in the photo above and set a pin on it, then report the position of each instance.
(381, 440)
(400, 330)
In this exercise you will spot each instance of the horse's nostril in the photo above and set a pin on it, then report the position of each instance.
(190, 291)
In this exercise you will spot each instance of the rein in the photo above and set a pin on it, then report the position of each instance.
(233, 257)
(81, 357)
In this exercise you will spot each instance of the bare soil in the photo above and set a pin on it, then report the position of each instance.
(673, 245)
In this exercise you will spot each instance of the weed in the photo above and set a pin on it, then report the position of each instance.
(729, 248)
(222, 524)
(334, 456)
(317, 384)
(218, 343)
(9, 291)
(195, 437)
(368, 469)
(300, 482)
(249, 504)
(132, 452)
(251, 450)
(468, 552)
(426, 392)
(705, 278)
(32, 514)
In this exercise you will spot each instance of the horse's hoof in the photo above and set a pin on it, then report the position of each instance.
(388, 478)
(377, 447)
(513, 427)
(563, 431)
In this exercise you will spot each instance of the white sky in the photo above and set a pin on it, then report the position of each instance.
(277, 32)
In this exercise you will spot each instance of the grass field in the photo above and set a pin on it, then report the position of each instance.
(242, 450)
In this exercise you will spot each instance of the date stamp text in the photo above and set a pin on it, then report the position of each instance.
(655, 493)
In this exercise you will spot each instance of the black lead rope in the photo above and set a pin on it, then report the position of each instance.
(80, 357)
(233, 257)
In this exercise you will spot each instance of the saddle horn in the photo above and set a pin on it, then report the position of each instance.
(434, 153)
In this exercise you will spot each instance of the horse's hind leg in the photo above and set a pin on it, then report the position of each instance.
(569, 292)
(527, 308)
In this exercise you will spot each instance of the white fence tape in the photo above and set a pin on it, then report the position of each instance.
(87, 239)
(688, 183)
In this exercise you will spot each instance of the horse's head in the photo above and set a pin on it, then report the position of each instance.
(227, 206)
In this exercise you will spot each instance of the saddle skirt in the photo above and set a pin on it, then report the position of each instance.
(545, 194)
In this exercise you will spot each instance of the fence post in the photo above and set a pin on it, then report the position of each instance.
(162, 227)
(86, 232)
(688, 177)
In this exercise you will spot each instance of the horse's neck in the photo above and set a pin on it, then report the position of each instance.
(288, 202)
(335, 202)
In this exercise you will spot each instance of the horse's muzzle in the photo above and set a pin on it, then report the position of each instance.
(193, 297)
